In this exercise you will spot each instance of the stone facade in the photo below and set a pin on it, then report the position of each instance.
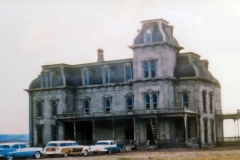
(159, 96)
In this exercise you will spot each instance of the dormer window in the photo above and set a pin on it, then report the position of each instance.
(149, 36)
(127, 72)
(106, 77)
(86, 78)
(106, 74)
(86, 72)
(46, 79)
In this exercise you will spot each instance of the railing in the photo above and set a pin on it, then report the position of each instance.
(227, 112)
(227, 139)
(129, 112)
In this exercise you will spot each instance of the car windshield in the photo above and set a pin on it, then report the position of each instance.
(4, 146)
(52, 144)
(102, 143)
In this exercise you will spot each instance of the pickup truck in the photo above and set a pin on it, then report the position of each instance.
(106, 146)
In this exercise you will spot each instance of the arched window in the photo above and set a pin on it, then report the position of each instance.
(129, 104)
(146, 72)
(107, 80)
(39, 109)
(185, 99)
(147, 101)
(54, 108)
(86, 79)
(86, 108)
(154, 97)
(153, 69)
(107, 106)
(148, 36)
(128, 73)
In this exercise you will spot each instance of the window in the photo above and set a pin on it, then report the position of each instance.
(15, 146)
(107, 76)
(86, 78)
(146, 72)
(148, 36)
(154, 97)
(39, 134)
(39, 109)
(107, 106)
(86, 108)
(54, 132)
(128, 73)
(23, 146)
(185, 100)
(46, 78)
(205, 131)
(129, 104)
(54, 108)
(147, 102)
(63, 144)
(204, 101)
(153, 69)
(211, 102)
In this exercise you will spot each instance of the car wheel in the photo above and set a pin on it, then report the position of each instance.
(85, 152)
(65, 154)
(37, 155)
(10, 157)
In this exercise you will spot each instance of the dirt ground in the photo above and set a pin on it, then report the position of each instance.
(229, 153)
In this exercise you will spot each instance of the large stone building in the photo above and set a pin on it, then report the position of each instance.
(158, 96)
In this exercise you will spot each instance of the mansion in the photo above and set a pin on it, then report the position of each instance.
(159, 96)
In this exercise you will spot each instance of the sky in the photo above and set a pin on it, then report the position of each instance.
(36, 33)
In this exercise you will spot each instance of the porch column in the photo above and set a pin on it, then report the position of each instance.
(113, 128)
(74, 128)
(186, 127)
(234, 130)
(93, 130)
(197, 121)
(238, 129)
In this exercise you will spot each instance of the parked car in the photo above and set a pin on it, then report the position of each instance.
(65, 148)
(18, 150)
(106, 146)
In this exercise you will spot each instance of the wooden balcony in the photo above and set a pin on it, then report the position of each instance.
(135, 112)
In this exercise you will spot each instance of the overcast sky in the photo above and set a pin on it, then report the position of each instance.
(38, 32)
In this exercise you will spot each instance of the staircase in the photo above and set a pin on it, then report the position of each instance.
(153, 122)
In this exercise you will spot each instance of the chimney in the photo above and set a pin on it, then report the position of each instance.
(100, 55)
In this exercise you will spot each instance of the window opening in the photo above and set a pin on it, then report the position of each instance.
(211, 102)
(86, 78)
(54, 133)
(146, 73)
(148, 35)
(54, 108)
(107, 76)
(107, 106)
(154, 101)
(147, 101)
(128, 73)
(204, 101)
(129, 104)
(185, 100)
(205, 131)
(39, 109)
(39, 135)
(153, 69)
(86, 108)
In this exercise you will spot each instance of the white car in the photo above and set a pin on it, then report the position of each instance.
(19, 150)
(65, 148)
(106, 146)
